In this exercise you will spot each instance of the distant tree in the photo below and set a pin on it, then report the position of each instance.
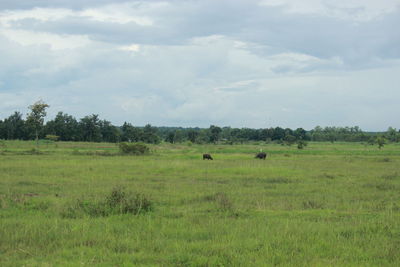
(90, 128)
(299, 133)
(109, 132)
(150, 135)
(392, 135)
(203, 136)
(2, 130)
(131, 133)
(381, 141)
(289, 139)
(65, 126)
(192, 135)
(301, 144)
(35, 118)
(279, 134)
(372, 140)
(170, 137)
(215, 132)
(14, 127)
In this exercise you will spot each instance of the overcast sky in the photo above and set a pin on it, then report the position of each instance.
(244, 63)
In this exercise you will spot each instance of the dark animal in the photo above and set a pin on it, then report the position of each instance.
(261, 155)
(207, 156)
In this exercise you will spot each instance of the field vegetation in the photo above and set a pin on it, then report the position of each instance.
(86, 204)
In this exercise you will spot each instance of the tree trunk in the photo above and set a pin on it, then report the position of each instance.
(37, 139)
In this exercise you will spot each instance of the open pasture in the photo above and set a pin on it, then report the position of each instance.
(327, 205)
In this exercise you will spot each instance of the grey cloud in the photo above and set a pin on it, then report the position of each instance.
(72, 4)
(270, 27)
(182, 75)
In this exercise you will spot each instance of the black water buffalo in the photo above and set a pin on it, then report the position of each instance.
(207, 156)
(261, 155)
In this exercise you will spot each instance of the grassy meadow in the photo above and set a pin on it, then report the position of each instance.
(326, 205)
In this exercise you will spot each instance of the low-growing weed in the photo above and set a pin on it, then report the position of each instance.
(221, 200)
(278, 180)
(392, 176)
(312, 204)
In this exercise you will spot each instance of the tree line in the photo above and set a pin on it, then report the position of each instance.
(91, 128)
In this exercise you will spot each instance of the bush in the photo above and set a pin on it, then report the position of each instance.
(301, 144)
(117, 202)
(134, 148)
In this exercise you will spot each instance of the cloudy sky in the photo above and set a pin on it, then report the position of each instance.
(244, 63)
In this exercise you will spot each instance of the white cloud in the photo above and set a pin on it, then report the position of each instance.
(356, 10)
(196, 63)
(54, 41)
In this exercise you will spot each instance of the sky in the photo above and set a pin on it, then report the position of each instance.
(196, 63)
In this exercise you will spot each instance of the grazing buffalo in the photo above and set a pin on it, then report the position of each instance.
(207, 156)
(261, 155)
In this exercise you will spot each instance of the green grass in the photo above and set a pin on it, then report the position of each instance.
(327, 205)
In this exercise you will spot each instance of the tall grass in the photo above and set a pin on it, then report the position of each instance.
(326, 205)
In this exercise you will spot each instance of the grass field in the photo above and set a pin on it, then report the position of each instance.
(327, 205)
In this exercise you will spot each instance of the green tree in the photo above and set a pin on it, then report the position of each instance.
(215, 132)
(301, 144)
(381, 141)
(131, 133)
(192, 135)
(170, 137)
(150, 135)
(90, 128)
(289, 139)
(109, 133)
(35, 118)
(14, 127)
(65, 126)
(392, 135)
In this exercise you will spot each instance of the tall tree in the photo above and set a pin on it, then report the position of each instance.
(109, 132)
(192, 135)
(14, 127)
(90, 128)
(65, 126)
(35, 118)
(215, 132)
(131, 133)
(150, 135)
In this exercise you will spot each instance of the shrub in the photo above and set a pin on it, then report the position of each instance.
(301, 144)
(133, 148)
(117, 202)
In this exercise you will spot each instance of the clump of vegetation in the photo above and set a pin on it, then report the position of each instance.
(33, 151)
(117, 202)
(222, 201)
(278, 180)
(328, 176)
(312, 204)
(381, 141)
(134, 148)
(301, 144)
